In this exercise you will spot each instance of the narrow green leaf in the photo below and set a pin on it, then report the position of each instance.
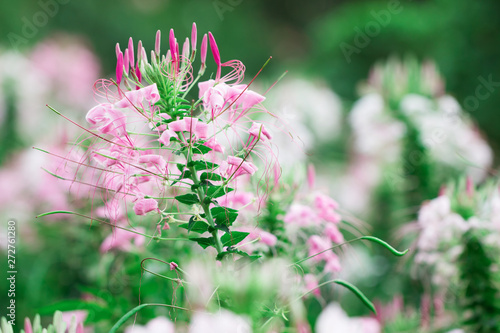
(57, 212)
(358, 293)
(386, 245)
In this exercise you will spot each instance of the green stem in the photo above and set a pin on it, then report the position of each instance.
(206, 210)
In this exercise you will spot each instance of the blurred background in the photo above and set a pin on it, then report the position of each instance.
(51, 52)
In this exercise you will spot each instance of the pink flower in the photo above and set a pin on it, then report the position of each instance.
(166, 136)
(173, 266)
(326, 207)
(122, 240)
(212, 143)
(188, 124)
(79, 315)
(135, 98)
(312, 284)
(144, 206)
(235, 167)
(218, 95)
(107, 119)
(333, 233)
(154, 160)
(258, 130)
(267, 238)
(301, 215)
(332, 263)
(319, 245)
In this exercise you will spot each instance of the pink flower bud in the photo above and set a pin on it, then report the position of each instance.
(193, 37)
(157, 42)
(117, 49)
(185, 49)
(131, 52)
(216, 54)
(126, 63)
(172, 42)
(173, 266)
(27, 326)
(203, 50)
(119, 67)
(139, 52)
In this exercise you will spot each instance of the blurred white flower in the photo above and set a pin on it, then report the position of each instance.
(333, 319)
(223, 321)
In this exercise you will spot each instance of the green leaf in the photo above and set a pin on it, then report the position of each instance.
(224, 215)
(197, 226)
(218, 191)
(201, 149)
(221, 227)
(211, 176)
(188, 199)
(204, 242)
(358, 293)
(202, 165)
(233, 238)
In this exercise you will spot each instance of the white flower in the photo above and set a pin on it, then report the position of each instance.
(333, 319)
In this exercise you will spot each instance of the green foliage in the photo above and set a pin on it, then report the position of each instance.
(481, 297)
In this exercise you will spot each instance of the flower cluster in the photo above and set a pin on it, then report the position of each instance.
(445, 220)
(153, 148)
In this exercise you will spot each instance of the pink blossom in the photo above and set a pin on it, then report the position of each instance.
(135, 98)
(173, 266)
(312, 284)
(166, 136)
(79, 315)
(122, 240)
(333, 233)
(107, 119)
(188, 124)
(236, 199)
(216, 95)
(258, 130)
(212, 143)
(144, 206)
(236, 166)
(319, 245)
(156, 160)
(301, 215)
(332, 263)
(267, 238)
(326, 207)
